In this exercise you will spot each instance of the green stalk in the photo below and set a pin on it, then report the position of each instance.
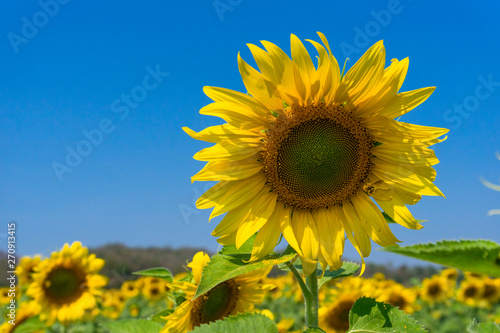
(310, 292)
(312, 303)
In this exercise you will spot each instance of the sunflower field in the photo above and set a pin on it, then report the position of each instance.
(65, 293)
(313, 155)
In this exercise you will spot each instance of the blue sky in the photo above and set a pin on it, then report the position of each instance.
(128, 75)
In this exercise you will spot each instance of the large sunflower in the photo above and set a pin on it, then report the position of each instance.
(65, 285)
(233, 296)
(310, 153)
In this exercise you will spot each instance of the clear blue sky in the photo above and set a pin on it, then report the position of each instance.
(66, 72)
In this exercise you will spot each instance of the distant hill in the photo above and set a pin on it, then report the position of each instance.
(122, 260)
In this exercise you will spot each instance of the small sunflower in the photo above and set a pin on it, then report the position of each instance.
(233, 296)
(400, 297)
(66, 284)
(25, 311)
(436, 289)
(450, 274)
(130, 289)
(309, 153)
(335, 317)
(113, 302)
(154, 289)
(470, 292)
(26, 268)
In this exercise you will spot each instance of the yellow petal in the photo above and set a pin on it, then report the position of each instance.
(362, 79)
(259, 214)
(220, 133)
(239, 194)
(404, 102)
(261, 89)
(200, 259)
(268, 237)
(228, 170)
(227, 150)
(331, 236)
(305, 229)
(238, 115)
(284, 217)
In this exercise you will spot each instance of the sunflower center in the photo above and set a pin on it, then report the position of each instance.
(470, 291)
(316, 156)
(338, 317)
(434, 290)
(64, 285)
(216, 304)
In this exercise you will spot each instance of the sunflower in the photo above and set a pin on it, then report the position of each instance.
(436, 289)
(130, 289)
(470, 292)
(309, 153)
(230, 297)
(335, 317)
(26, 268)
(154, 289)
(400, 297)
(25, 311)
(66, 284)
(450, 274)
(113, 302)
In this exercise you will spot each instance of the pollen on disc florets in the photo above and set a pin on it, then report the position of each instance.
(316, 156)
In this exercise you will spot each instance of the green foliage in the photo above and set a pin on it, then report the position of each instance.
(132, 326)
(348, 268)
(158, 272)
(231, 262)
(242, 323)
(313, 330)
(478, 256)
(30, 325)
(368, 315)
(489, 327)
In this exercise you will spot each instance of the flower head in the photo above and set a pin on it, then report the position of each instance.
(309, 153)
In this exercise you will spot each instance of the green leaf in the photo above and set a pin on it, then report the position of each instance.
(30, 325)
(368, 315)
(132, 326)
(488, 327)
(242, 323)
(477, 256)
(158, 272)
(230, 262)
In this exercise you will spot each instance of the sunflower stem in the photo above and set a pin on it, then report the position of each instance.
(302, 285)
(311, 299)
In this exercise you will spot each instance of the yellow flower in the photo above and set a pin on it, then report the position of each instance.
(450, 274)
(335, 317)
(25, 311)
(6, 294)
(309, 154)
(113, 302)
(470, 291)
(233, 296)
(130, 289)
(436, 289)
(154, 289)
(26, 268)
(66, 284)
(400, 297)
